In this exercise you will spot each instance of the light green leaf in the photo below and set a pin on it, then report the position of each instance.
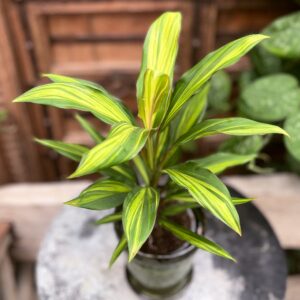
(292, 126)
(155, 99)
(178, 208)
(119, 249)
(102, 194)
(194, 78)
(208, 191)
(123, 143)
(184, 196)
(270, 98)
(89, 128)
(120, 173)
(194, 239)
(75, 96)
(142, 169)
(72, 151)
(139, 214)
(190, 113)
(218, 162)
(160, 48)
(81, 82)
(115, 217)
(239, 201)
(231, 126)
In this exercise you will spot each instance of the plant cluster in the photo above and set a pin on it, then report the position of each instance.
(138, 159)
(270, 91)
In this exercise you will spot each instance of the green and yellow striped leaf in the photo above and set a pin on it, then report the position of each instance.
(90, 129)
(160, 48)
(139, 215)
(115, 217)
(208, 191)
(67, 79)
(102, 194)
(123, 143)
(119, 249)
(142, 168)
(239, 201)
(185, 197)
(194, 78)
(231, 126)
(81, 97)
(155, 99)
(71, 151)
(190, 113)
(194, 239)
(218, 162)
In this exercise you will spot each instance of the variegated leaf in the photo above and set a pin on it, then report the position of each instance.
(194, 239)
(190, 113)
(194, 78)
(208, 191)
(160, 48)
(139, 215)
(81, 97)
(218, 162)
(123, 143)
(155, 99)
(102, 194)
(119, 249)
(89, 128)
(239, 201)
(81, 82)
(231, 126)
(72, 151)
(114, 217)
(178, 208)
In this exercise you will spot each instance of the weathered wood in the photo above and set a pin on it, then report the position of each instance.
(7, 280)
(293, 288)
(30, 209)
(277, 196)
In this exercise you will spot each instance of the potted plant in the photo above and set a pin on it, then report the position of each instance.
(153, 193)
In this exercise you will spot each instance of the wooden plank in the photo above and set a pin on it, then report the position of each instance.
(30, 209)
(293, 288)
(277, 196)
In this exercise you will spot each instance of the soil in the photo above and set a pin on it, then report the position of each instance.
(162, 241)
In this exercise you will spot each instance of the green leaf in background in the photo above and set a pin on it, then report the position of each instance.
(218, 162)
(239, 201)
(115, 217)
(75, 96)
(103, 194)
(119, 249)
(155, 98)
(194, 78)
(292, 126)
(231, 126)
(207, 189)
(72, 151)
(243, 145)
(194, 239)
(124, 143)
(123, 172)
(246, 77)
(139, 214)
(89, 128)
(264, 62)
(160, 48)
(190, 113)
(178, 208)
(271, 98)
(219, 93)
(285, 36)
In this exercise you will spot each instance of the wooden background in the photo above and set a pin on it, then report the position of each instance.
(101, 41)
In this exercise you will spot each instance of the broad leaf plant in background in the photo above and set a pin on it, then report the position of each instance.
(138, 153)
